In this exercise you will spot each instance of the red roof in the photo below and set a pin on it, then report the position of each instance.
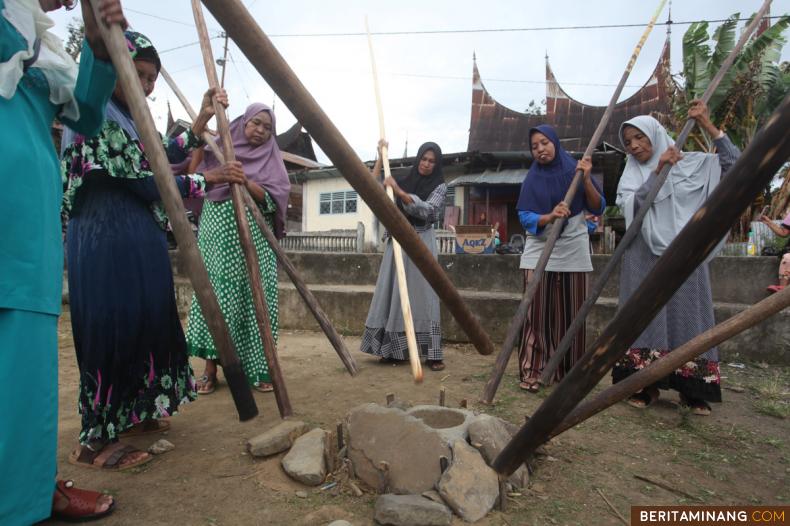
(495, 127)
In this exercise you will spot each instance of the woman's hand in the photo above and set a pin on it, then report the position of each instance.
(381, 145)
(207, 104)
(585, 165)
(765, 219)
(390, 182)
(671, 155)
(560, 211)
(111, 13)
(700, 113)
(207, 108)
(231, 172)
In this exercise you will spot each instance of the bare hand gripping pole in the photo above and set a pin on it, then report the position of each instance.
(308, 297)
(636, 225)
(165, 183)
(250, 255)
(258, 49)
(521, 313)
(397, 254)
(769, 149)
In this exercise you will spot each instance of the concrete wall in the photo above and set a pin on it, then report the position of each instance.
(492, 286)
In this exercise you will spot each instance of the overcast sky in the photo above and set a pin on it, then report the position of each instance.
(426, 79)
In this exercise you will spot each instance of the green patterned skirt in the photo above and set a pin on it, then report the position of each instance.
(218, 240)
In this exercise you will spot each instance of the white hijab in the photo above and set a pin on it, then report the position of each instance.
(56, 65)
(686, 188)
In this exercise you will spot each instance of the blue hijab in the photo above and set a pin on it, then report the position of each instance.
(546, 184)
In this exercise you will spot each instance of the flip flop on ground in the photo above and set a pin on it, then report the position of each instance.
(207, 384)
(531, 385)
(70, 504)
(110, 457)
(435, 365)
(644, 398)
(263, 388)
(697, 406)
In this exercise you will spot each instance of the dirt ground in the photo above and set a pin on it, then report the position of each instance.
(739, 455)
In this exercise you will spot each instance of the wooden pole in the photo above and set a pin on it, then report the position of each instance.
(517, 322)
(769, 149)
(308, 297)
(636, 225)
(245, 237)
(397, 254)
(685, 353)
(258, 49)
(171, 198)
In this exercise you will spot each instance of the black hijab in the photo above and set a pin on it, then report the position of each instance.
(422, 185)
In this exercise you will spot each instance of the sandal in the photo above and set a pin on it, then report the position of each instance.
(389, 360)
(148, 427)
(435, 365)
(81, 505)
(697, 406)
(531, 385)
(263, 388)
(108, 457)
(644, 398)
(206, 384)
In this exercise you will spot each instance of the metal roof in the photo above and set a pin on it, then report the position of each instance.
(491, 178)
(495, 127)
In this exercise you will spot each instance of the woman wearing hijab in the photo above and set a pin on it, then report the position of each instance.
(130, 346)
(420, 196)
(563, 287)
(691, 179)
(38, 82)
(253, 135)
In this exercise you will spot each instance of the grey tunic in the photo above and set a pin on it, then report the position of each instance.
(690, 310)
(384, 327)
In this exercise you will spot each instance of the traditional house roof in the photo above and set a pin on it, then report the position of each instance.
(495, 127)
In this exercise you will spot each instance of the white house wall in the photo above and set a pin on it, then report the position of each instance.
(313, 221)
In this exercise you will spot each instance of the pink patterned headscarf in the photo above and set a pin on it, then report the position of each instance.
(262, 165)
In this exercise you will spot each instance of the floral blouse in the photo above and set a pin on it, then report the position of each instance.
(114, 153)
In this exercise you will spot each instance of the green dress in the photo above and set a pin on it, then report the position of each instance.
(218, 240)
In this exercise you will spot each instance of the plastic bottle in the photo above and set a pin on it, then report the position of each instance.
(751, 247)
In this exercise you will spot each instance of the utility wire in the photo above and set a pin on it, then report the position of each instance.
(497, 30)
(457, 31)
(190, 44)
(173, 20)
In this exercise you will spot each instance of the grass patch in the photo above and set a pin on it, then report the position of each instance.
(773, 396)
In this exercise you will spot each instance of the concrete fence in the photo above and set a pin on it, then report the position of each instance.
(492, 285)
(326, 241)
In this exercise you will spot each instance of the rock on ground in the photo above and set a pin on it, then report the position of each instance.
(412, 449)
(277, 439)
(305, 461)
(409, 510)
(161, 446)
(469, 486)
(490, 435)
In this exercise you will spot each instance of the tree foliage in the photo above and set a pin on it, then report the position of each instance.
(73, 43)
(752, 88)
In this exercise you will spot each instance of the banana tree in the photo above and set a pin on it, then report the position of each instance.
(751, 90)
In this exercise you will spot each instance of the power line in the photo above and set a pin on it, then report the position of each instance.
(456, 31)
(182, 46)
(496, 30)
(172, 20)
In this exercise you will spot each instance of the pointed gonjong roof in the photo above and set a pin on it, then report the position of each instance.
(495, 127)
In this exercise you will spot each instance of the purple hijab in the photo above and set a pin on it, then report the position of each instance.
(262, 164)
